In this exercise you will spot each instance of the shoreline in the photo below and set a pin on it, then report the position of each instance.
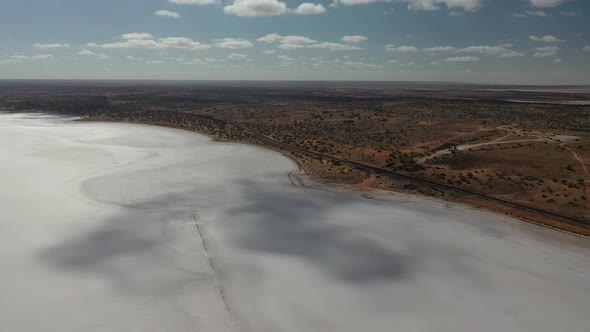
(477, 205)
(474, 202)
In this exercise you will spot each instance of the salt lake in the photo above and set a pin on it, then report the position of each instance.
(120, 227)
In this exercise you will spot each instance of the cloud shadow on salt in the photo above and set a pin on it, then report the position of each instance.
(131, 250)
(280, 222)
(266, 218)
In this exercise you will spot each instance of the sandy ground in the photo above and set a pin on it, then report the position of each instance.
(114, 227)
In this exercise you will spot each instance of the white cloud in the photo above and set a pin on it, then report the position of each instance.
(403, 48)
(166, 13)
(434, 63)
(298, 40)
(547, 3)
(147, 41)
(511, 54)
(181, 42)
(307, 8)
(586, 48)
(557, 60)
(233, 43)
(270, 38)
(546, 39)
(192, 2)
(86, 52)
(503, 51)
(210, 62)
(354, 39)
(285, 58)
(100, 56)
(320, 62)
(427, 5)
(293, 39)
(237, 56)
(137, 35)
(359, 65)
(50, 46)
(462, 59)
(538, 13)
(294, 42)
(288, 43)
(131, 43)
(289, 47)
(155, 62)
(336, 46)
(132, 58)
(392, 61)
(250, 8)
(441, 49)
(20, 57)
(547, 51)
(270, 52)
(499, 50)
(42, 56)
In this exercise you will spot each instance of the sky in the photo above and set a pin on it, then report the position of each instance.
(479, 41)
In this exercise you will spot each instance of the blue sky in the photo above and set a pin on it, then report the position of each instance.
(487, 41)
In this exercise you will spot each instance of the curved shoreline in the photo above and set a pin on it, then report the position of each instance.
(319, 182)
(540, 220)
(309, 181)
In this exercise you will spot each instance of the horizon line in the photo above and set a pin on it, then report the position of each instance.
(286, 81)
